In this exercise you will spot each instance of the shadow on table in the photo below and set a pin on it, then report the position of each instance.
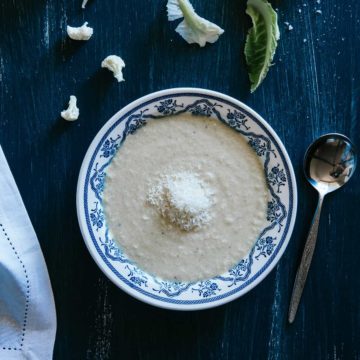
(166, 334)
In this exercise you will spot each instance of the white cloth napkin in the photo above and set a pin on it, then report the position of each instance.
(27, 309)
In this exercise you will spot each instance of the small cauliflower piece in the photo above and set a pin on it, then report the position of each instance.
(115, 64)
(72, 112)
(194, 29)
(83, 32)
(84, 3)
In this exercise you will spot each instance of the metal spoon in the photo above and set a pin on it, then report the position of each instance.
(329, 163)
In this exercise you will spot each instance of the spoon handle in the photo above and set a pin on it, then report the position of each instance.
(306, 258)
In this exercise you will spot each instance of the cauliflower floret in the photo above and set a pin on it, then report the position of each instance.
(194, 29)
(115, 64)
(83, 32)
(72, 112)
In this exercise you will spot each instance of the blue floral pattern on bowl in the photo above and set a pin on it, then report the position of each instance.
(272, 240)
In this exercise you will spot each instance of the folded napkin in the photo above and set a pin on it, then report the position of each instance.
(27, 310)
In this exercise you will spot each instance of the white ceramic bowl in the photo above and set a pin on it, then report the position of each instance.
(250, 270)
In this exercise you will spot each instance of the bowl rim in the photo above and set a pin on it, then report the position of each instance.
(82, 221)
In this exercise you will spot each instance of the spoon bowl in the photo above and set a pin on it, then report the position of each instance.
(330, 162)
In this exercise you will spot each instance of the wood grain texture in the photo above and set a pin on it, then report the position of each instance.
(313, 88)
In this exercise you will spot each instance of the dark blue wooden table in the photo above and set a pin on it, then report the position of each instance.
(313, 88)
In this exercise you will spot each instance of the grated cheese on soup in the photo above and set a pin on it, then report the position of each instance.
(183, 199)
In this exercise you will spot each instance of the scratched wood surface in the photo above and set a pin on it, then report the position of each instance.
(313, 88)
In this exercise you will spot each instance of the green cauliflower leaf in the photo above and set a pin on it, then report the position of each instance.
(261, 41)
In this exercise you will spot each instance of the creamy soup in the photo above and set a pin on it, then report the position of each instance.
(185, 198)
